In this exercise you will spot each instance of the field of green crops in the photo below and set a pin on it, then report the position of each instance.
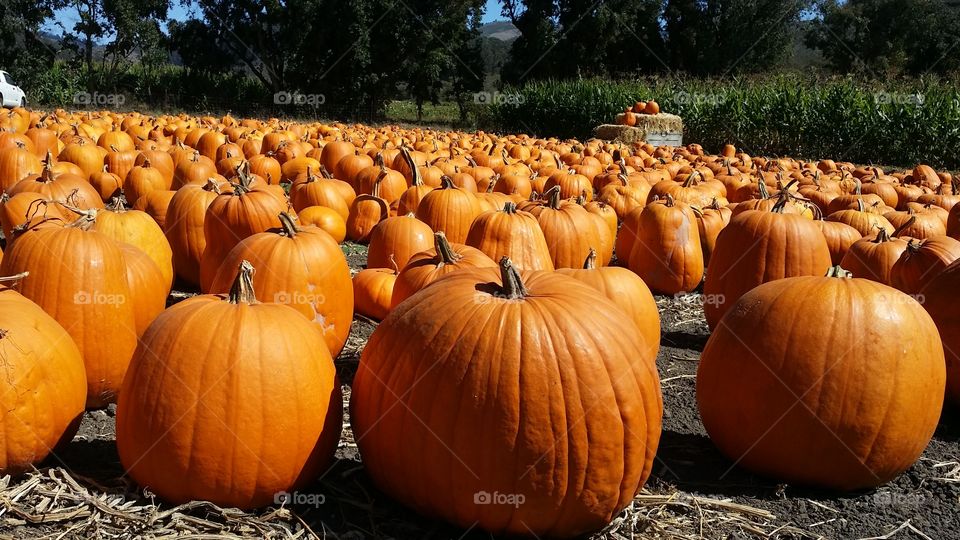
(893, 123)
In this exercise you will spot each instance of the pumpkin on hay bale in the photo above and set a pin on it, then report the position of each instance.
(646, 127)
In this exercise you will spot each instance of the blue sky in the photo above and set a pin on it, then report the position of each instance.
(67, 17)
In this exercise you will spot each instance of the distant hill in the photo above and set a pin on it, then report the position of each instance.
(502, 30)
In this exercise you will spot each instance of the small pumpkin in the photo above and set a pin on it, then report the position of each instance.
(428, 266)
(666, 253)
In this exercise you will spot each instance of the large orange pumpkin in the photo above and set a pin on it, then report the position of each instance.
(757, 247)
(176, 423)
(823, 381)
(303, 268)
(401, 237)
(79, 277)
(449, 209)
(42, 384)
(939, 298)
(485, 404)
(138, 229)
(512, 233)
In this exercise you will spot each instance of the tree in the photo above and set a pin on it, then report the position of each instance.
(874, 36)
(21, 42)
(530, 56)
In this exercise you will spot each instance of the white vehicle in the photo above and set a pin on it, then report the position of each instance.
(10, 94)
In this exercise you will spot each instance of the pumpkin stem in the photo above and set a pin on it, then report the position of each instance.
(289, 225)
(212, 185)
(15, 277)
(242, 289)
(85, 221)
(838, 272)
(446, 182)
(326, 174)
(513, 288)
(691, 179)
(764, 194)
(116, 204)
(552, 196)
(509, 207)
(668, 200)
(444, 251)
(591, 262)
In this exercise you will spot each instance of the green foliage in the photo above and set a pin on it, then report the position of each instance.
(900, 122)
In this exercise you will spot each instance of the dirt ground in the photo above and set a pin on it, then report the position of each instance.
(694, 492)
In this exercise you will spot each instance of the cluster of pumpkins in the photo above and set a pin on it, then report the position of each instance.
(511, 356)
(632, 114)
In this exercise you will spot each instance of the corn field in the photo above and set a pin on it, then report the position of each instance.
(883, 122)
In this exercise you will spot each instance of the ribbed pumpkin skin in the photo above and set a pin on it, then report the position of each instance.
(148, 287)
(922, 261)
(79, 277)
(450, 210)
(826, 382)
(757, 247)
(427, 267)
(511, 396)
(228, 403)
(515, 234)
(307, 272)
(43, 386)
(873, 258)
(939, 299)
(373, 291)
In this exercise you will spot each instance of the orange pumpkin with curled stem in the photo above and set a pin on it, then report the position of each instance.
(366, 212)
(490, 375)
(410, 199)
(570, 231)
(174, 424)
(778, 379)
(300, 267)
(60, 186)
(627, 291)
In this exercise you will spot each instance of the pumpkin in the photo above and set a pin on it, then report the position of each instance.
(710, 221)
(17, 163)
(156, 203)
(624, 197)
(366, 212)
(666, 253)
(839, 237)
(26, 207)
(79, 277)
(570, 231)
(140, 230)
(184, 232)
(823, 381)
(475, 365)
(313, 190)
(873, 257)
(449, 209)
(512, 233)
(303, 268)
(148, 286)
(325, 218)
(919, 225)
(60, 187)
(175, 424)
(401, 237)
(107, 184)
(143, 179)
(251, 208)
(43, 387)
(757, 247)
(410, 199)
(627, 291)
(428, 266)
(373, 291)
(938, 297)
(921, 261)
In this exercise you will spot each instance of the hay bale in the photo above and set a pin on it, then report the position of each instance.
(657, 129)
